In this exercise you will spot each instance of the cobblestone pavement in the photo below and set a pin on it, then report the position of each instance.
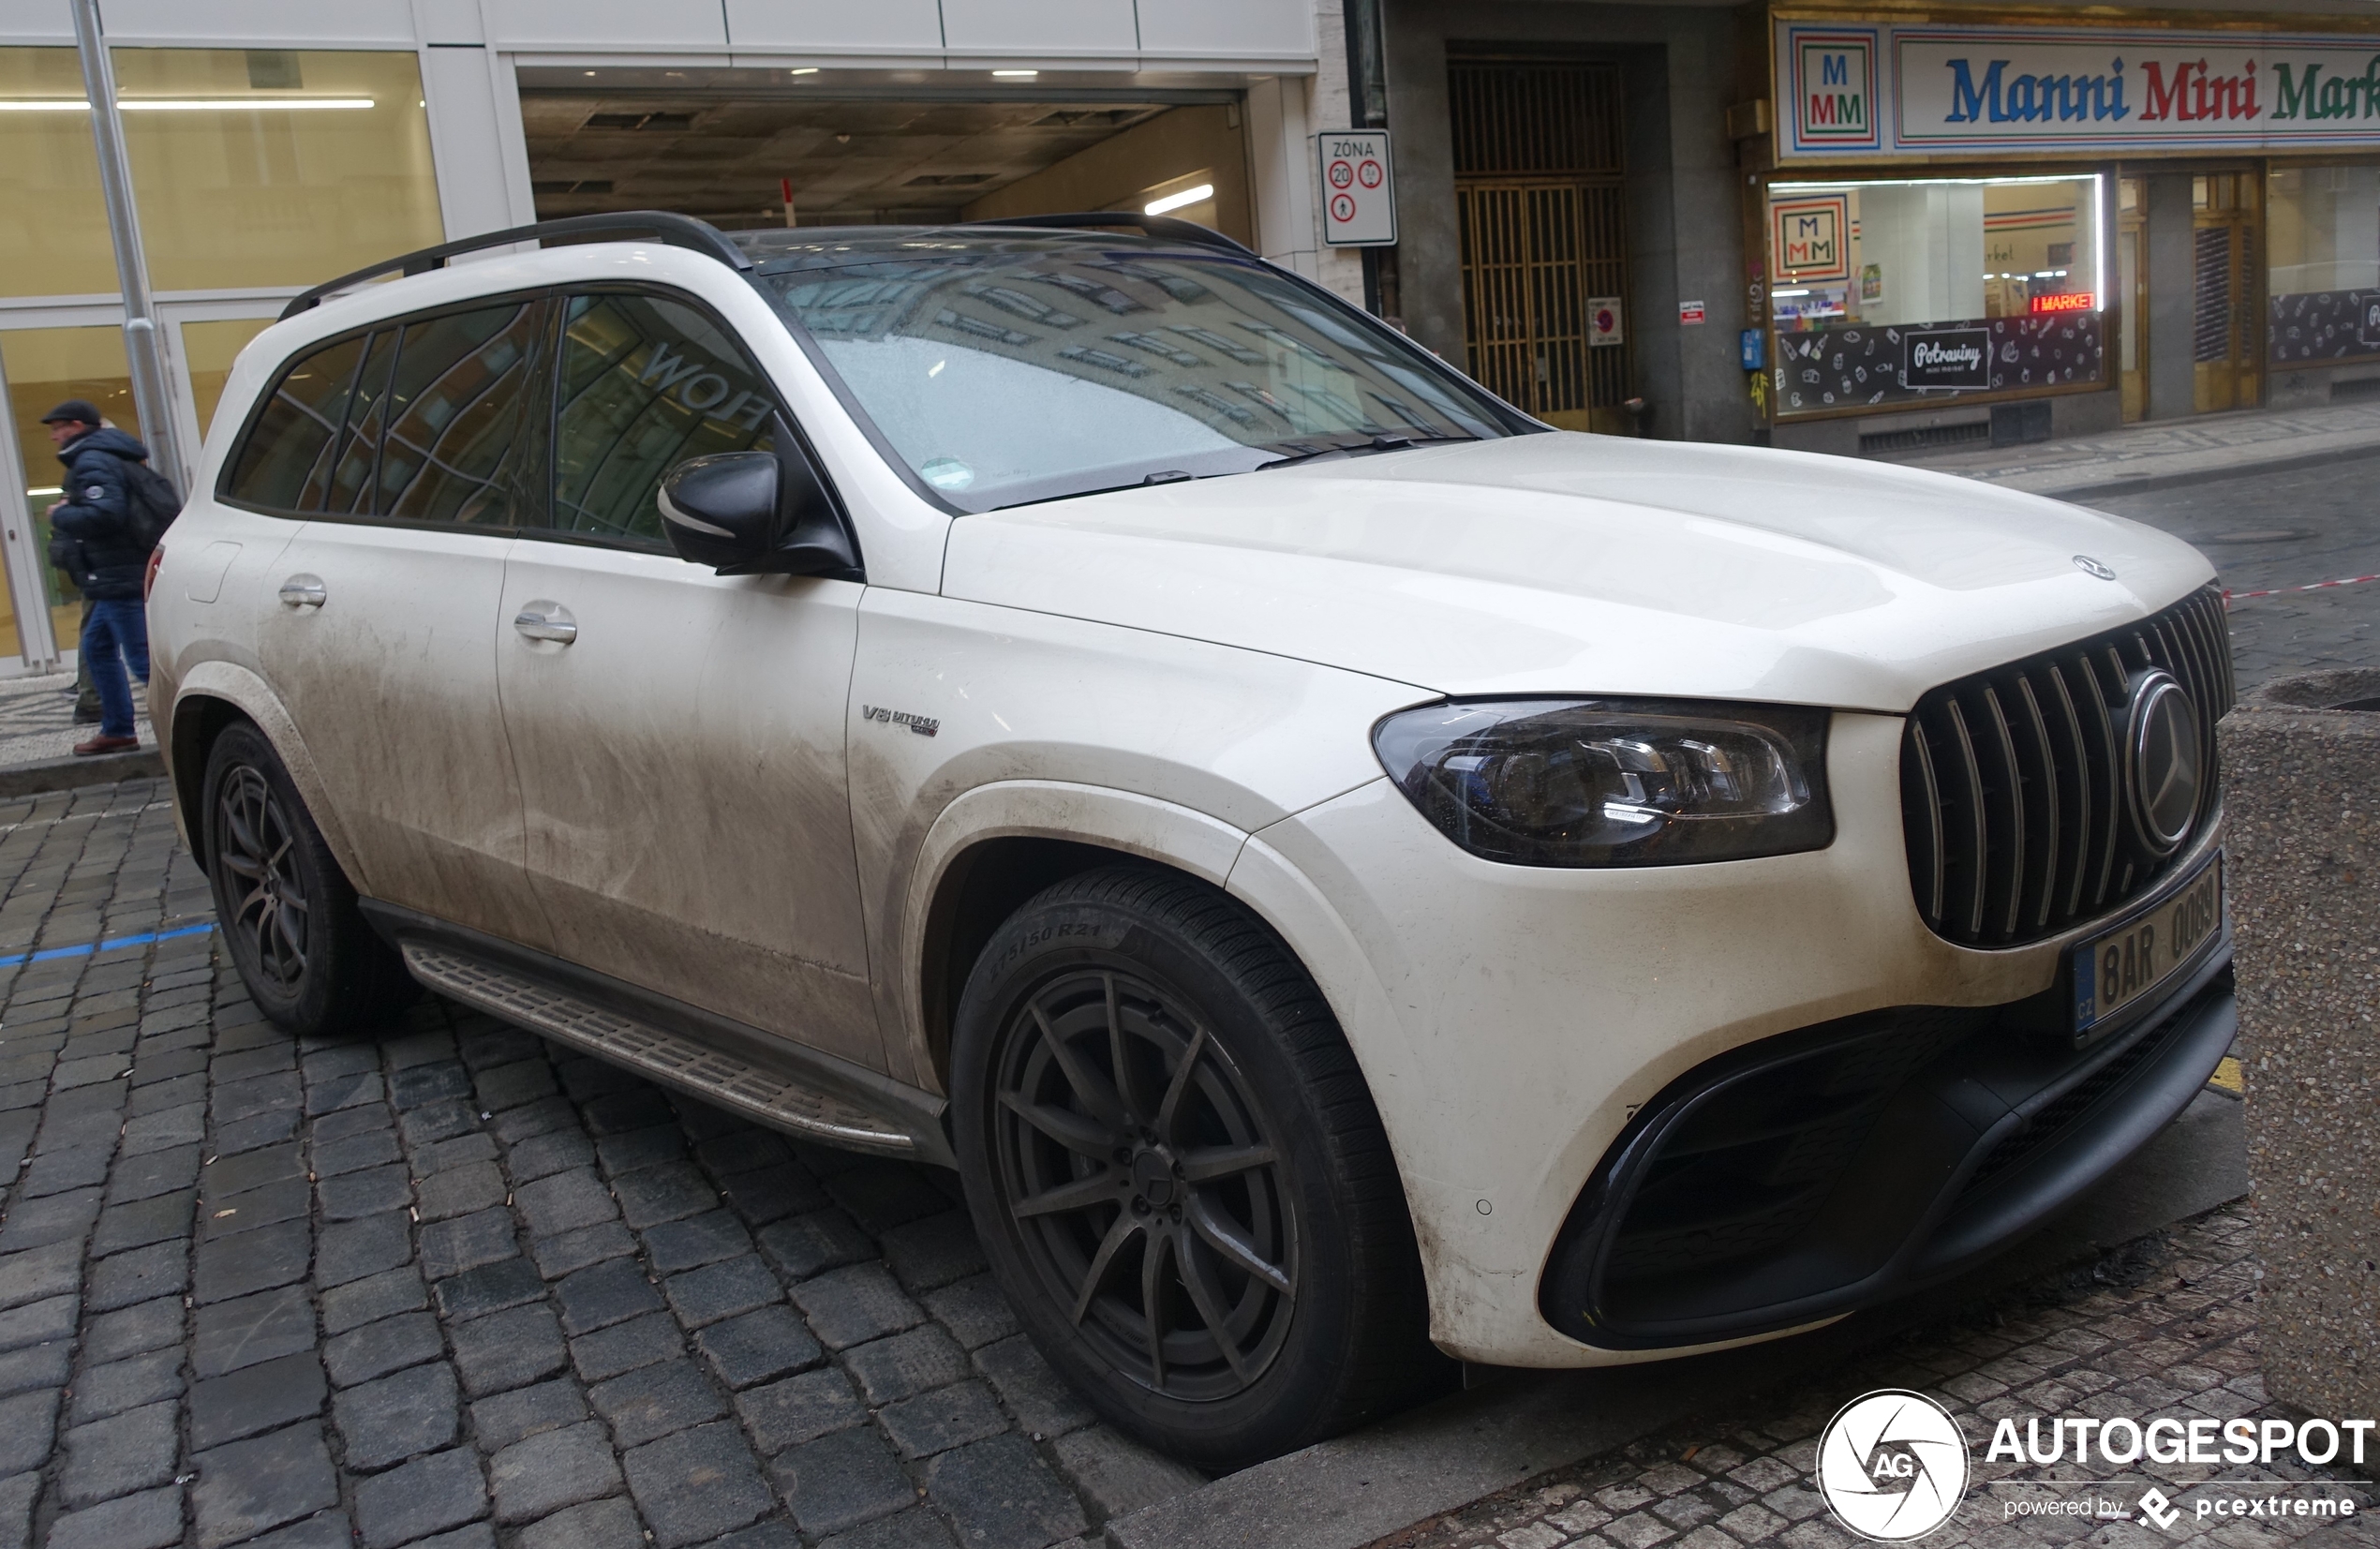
(455, 1286)
(2165, 1326)
(37, 718)
(2284, 530)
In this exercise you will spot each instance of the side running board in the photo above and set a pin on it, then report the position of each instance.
(767, 1095)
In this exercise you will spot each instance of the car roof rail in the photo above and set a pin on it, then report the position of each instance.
(676, 230)
(1155, 226)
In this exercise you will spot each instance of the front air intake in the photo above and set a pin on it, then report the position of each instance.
(2012, 789)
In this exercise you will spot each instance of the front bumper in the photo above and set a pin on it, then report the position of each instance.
(1514, 1022)
(1812, 1174)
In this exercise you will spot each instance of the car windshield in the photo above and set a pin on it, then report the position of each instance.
(998, 373)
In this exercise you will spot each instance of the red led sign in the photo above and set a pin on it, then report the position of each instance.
(2076, 301)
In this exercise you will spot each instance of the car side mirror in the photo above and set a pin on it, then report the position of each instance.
(755, 512)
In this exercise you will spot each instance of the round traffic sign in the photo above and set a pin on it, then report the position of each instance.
(1369, 174)
(1341, 174)
(1342, 208)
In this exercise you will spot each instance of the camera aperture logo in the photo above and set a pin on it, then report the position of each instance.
(1892, 1466)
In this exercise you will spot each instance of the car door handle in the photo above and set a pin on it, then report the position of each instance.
(303, 591)
(544, 620)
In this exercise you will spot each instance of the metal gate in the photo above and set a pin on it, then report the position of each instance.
(1537, 196)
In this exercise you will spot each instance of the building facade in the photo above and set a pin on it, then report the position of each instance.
(275, 143)
(1867, 229)
(1891, 227)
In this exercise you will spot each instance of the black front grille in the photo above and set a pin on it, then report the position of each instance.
(2012, 781)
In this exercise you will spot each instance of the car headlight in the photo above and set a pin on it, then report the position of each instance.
(1614, 782)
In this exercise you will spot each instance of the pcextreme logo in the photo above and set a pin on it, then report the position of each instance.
(1892, 1466)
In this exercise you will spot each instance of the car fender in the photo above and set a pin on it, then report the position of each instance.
(1123, 820)
(246, 691)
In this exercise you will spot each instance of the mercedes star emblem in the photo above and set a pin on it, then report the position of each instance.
(2163, 763)
(2090, 566)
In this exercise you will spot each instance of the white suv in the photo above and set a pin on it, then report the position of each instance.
(1338, 867)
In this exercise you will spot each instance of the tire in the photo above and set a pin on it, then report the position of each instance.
(1236, 1180)
(287, 910)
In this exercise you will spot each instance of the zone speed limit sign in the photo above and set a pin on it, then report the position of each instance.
(1358, 190)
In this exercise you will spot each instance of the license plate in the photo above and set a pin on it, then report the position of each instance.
(2136, 959)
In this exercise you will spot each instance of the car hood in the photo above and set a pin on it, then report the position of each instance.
(1569, 563)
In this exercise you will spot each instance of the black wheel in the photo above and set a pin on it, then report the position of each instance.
(285, 909)
(1179, 1173)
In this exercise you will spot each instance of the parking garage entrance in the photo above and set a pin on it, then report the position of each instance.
(744, 148)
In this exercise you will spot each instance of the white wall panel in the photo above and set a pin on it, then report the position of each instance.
(835, 26)
(467, 138)
(1056, 28)
(1228, 29)
(579, 26)
(449, 20)
(275, 23)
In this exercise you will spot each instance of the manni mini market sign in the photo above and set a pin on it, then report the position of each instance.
(1880, 89)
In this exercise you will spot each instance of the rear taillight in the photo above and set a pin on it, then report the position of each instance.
(149, 576)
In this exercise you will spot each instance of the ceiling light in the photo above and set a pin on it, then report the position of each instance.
(1014, 75)
(1175, 202)
(807, 69)
(183, 105)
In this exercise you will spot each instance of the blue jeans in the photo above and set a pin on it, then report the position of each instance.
(116, 632)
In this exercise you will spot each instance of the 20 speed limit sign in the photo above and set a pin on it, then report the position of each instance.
(1359, 192)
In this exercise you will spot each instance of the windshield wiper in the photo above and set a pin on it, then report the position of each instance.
(1386, 442)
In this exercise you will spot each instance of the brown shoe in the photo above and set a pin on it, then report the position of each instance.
(104, 744)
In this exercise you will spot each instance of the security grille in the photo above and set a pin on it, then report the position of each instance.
(2012, 786)
(1539, 207)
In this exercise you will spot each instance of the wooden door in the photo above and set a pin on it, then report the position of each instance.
(2227, 352)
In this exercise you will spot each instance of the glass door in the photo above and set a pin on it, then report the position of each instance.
(2225, 348)
(43, 366)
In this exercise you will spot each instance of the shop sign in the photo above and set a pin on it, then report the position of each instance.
(1946, 357)
(1810, 238)
(1923, 89)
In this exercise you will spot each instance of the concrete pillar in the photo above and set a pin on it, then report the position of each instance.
(1279, 141)
(2172, 377)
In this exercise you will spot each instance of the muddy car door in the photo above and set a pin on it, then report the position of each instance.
(403, 448)
(679, 734)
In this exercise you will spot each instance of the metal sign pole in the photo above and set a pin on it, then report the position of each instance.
(143, 348)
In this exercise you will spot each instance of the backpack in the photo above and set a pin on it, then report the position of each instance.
(150, 499)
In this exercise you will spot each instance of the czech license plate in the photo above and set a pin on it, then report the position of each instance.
(2136, 958)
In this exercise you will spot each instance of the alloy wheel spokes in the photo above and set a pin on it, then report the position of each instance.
(1227, 1241)
(1146, 1185)
(256, 846)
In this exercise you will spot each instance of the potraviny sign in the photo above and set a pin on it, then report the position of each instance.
(1863, 90)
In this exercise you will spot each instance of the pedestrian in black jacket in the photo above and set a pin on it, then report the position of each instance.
(100, 545)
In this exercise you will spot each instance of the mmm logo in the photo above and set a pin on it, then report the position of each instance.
(1836, 80)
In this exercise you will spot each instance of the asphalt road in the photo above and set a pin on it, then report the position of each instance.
(2284, 530)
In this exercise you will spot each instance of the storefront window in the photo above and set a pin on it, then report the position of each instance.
(1907, 289)
(251, 168)
(208, 349)
(2322, 227)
